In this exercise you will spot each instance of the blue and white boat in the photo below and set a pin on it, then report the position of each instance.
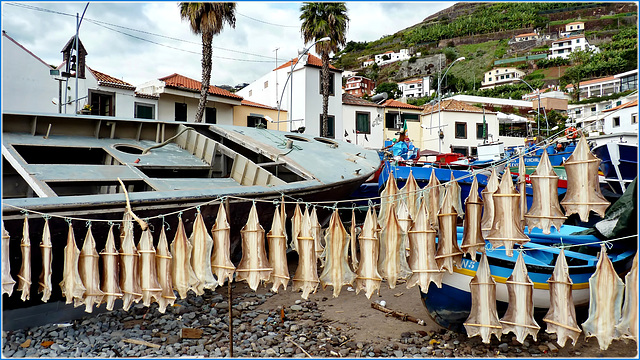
(619, 155)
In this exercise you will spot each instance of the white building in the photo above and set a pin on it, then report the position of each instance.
(590, 117)
(416, 88)
(572, 28)
(302, 96)
(565, 46)
(526, 37)
(622, 118)
(391, 57)
(501, 76)
(362, 121)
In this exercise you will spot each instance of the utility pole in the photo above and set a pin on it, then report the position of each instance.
(277, 103)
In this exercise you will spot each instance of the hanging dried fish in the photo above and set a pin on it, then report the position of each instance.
(627, 327)
(306, 276)
(561, 317)
(71, 284)
(368, 278)
(163, 267)
(337, 272)
(409, 193)
(448, 253)
(605, 299)
(519, 316)
(522, 187)
(90, 272)
(129, 269)
(422, 259)
(434, 198)
(221, 263)
(392, 263)
(44, 282)
(352, 241)
(487, 201)
(507, 229)
(583, 188)
(296, 223)
(545, 210)
(7, 280)
(456, 197)
(254, 265)
(202, 246)
(24, 276)
(404, 216)
(149, 284)
(472, 239)
(278, 253)
(182, 274)
(389, 196)
(483, 318)
(316, 232)
(110, 272)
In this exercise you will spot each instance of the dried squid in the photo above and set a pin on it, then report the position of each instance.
(129, 269)
(71, 284)
(278, 253)
(7, 280)
(545, 210)
(448, 253)
(422, 258)
(202, 246)
(561, 317)
(149, 284)
(487, 201)
(110, 272)
(392, 262)
(306, 275)
(605, 299)
(336, 271)
(627, 327)
(163, 267)
(24, 276)
(472, 239)
(221, 263)
(90, 272)
(44, 281)
(368, 278)
(519, 316)
(182, 274)
(483, 318)
(254, 265)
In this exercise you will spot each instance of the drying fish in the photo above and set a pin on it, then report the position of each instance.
(422, 258)
(519, 316)
(7, 280)
(368, 278)
(456, 199)
(163, 268)
(110, 272)
(337, 272)
(90, 272)
(352, 241)
(71, 284)
(472, 239)
(583, 188)
(296, 222)
(627, 327)
(507, 229)
(409, 193)
(392, 263)
(129, 269)
(306, 275)
(388, 197)
(221, 263)
(487, 201)
(522, 188)
(44, 282)
(448, 253)
(483, 318)
(182, 274)
(545, 210)
(605, 299)
(254, 265)
(278, 253)
(149, 284)
(24, 276)
(561, 317)
(405, 219)
(202, 245)
(316, 232)
(434, 198)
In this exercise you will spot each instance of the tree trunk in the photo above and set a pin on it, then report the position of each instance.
(325, 94)
(207, 38)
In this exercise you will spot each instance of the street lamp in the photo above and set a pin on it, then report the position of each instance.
(545, 113)
(293, 66)
(440, 97)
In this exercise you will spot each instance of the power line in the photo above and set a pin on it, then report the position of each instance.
(268, 23)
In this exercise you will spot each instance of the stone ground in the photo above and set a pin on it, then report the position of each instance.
(281, 325)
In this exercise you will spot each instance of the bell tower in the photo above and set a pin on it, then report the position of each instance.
(74, 62)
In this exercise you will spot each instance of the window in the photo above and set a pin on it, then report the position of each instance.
(593, 109)
(266, 84)
(474, 151)
(250, 93)
(616, 121)
(102, 103)
(460, 150)
(181, 112)
(390, 121)
(490, 79)
(461, 130)
(480, 131)
(577, 41)
(331, 84)
(256, 121)
(331, 126)
(144, 111)
(634, 118)
(210, 115)
(363, 124)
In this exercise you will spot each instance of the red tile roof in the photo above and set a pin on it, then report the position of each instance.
(568, 38)
(255, 104)
(147, 96)
(24, 48)
(181, 82)
(453, 105)
(623, 106)
(411, 81)
(388, 52)
(527, 34)
(106, 80)
(594, 81)
(311, 61)
(391, 103)
(348, 99)
(575, 22)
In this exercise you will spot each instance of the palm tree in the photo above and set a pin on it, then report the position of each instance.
(320, 19)
(207, 19)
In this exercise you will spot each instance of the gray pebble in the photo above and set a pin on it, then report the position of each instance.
(398, 353)
(296, 307)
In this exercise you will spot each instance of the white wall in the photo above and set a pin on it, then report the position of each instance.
(376, 121)
(626, 124)
(166, 108)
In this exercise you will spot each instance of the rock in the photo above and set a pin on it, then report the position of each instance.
(447, 353)
(271, 352)
(296, 307)
(222, 305)
(397, 353)
(543, 349)
(552, 347)
(294, 328)
(20, 353)
(504, 347)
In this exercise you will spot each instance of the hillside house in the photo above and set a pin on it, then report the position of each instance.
(573, 28)
(391, 57)
(550, 99)
(362, 121)
(359, 85)
(526, 37)
(565, 46)
(416, 88)
(501, 76)
(622, 118)
(368, 62)
(590, 116)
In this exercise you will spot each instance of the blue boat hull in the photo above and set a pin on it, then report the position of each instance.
(625, 162)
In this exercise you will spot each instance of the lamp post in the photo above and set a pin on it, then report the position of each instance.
(440, 98)
(293, 66)
(545, 114)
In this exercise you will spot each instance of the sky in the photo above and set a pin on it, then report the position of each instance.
(141, 41)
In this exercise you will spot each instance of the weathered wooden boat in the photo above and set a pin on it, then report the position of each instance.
(69, 167)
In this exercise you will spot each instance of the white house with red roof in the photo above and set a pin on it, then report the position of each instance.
(392, 56)
(565, 46)
(301, 95)
(413, 88)
(363, 122)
